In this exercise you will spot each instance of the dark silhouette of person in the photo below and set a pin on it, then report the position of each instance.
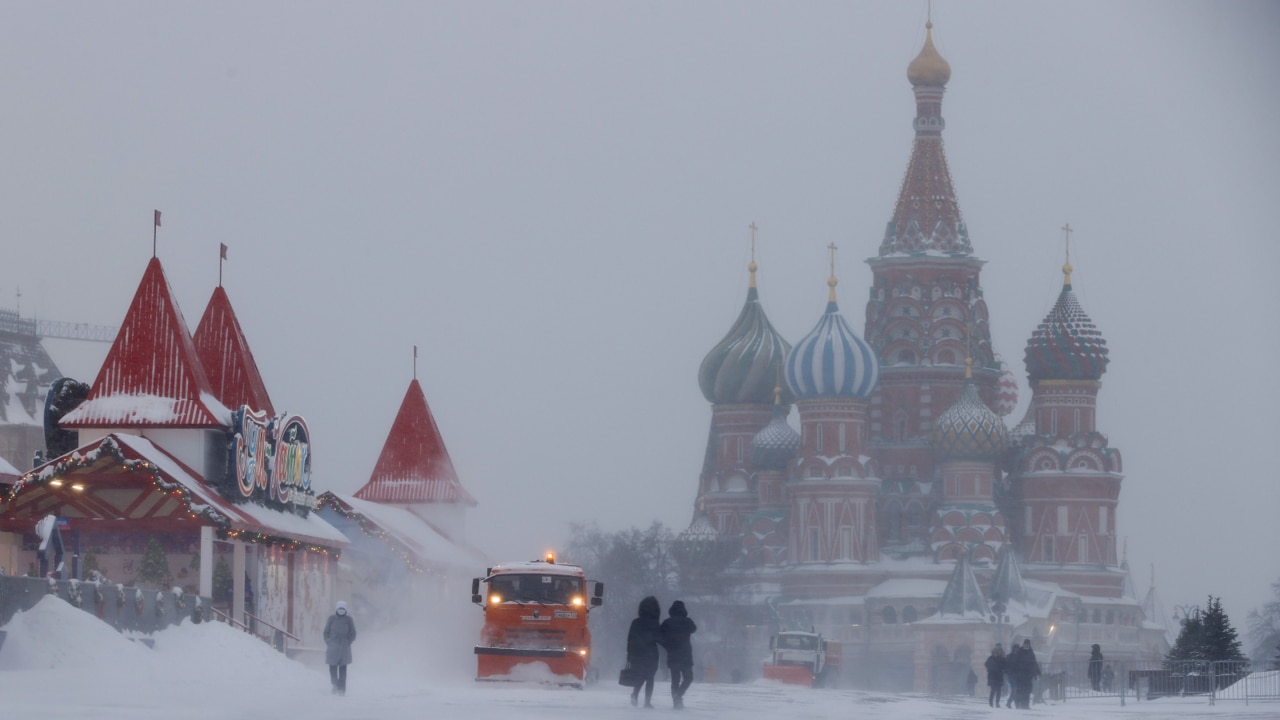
(675, 637)
(995, 675)
(642, 648)
(1095, 668)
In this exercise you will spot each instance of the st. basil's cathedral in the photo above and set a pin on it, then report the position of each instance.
(904, 517)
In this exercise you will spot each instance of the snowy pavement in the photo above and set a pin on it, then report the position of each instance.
(59, 662)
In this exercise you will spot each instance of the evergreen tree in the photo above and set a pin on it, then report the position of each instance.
(155, 565)
(89, 564)
(1207, 636)
(222, 581)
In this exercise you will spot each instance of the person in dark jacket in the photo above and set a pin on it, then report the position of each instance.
(1010, 665)
(995, 675)
(675, 637)
(1027, 669)
(1095, 668)
(642, 648)
(339, 633)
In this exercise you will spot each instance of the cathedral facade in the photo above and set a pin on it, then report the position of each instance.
(902, 515)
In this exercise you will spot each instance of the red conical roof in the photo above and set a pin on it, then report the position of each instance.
(227, 359)
(152, 376)
(414, 465)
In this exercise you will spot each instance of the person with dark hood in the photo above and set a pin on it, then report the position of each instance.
(642, 648)
(1095, 668)
(339, 633)
(675, 634)
(1010, 671)
(995, 675)
(1027, 669)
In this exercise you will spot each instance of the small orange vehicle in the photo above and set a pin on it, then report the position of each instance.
(535, 613)
(802, 658)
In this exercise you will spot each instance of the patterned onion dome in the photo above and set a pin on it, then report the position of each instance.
(1025, 428)
(1066, 346)
(929, 68)
(1006, 389)
(969, 430)
(776, 443)
(743, 368)
(832, 361)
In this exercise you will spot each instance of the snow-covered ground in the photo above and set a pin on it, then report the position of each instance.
(60, 662)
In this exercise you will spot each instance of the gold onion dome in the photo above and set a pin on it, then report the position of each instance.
(929, 68)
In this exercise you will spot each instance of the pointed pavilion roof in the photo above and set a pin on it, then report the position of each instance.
(224, 352)
(927, 215)
(152, 376)
(962, 596)
(414, 465)
(1006, 583)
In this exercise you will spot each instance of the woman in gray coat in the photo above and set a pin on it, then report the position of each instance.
(339, 633)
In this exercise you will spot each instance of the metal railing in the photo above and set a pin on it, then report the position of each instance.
(275, 636)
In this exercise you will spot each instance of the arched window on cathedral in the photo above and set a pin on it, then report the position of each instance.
(890, 616)
(909, 614)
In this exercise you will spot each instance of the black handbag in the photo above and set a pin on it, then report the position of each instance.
(628, 676)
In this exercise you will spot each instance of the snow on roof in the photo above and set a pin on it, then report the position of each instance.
(908, 588)
(420, 536)
(536, 567)
(8, 473)
(414, 465)
(224, 352)
(152, 376)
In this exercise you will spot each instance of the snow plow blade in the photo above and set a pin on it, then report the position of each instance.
(789, 674)
(504, 664)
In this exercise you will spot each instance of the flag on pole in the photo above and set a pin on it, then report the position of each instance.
(223, 251)
(157, 218)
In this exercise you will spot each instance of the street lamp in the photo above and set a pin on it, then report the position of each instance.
(997, 616)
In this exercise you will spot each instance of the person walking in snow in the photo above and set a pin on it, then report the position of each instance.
(1010, 671)
(674, 635)
(1027, 669)
(1095, 668)
(642, 648)
(339, 634)
(995, 675)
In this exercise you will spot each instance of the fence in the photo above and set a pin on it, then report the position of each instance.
(1141, 681)
(124, 608)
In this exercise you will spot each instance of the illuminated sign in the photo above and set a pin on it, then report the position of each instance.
(272, 458)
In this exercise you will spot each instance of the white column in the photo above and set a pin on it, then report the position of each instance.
(237, 580)
(206, 561)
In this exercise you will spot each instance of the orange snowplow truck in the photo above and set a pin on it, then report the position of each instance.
(535, 613)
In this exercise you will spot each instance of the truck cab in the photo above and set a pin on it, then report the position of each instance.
(535, 615)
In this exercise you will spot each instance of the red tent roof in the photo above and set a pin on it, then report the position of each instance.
(152, 376)
(414, 465)
(227, 359)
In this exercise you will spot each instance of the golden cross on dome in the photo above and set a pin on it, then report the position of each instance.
(752, 266)
(831, 283)
(1066, 267)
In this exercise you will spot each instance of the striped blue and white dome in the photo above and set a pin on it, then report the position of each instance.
(832, 361)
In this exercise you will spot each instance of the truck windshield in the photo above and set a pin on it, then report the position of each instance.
(557, 589)
(797, 642)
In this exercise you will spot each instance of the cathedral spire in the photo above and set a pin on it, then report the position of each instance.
(927, 215)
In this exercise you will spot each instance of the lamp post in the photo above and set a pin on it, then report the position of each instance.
(998, 617)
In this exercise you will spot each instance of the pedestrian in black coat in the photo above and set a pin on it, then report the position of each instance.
(1027, 669)
(1010, 671)
(1095, 668)
(675, 637)
(995, 675)
(642, 647)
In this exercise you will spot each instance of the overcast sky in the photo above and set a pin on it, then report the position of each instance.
(551, 200)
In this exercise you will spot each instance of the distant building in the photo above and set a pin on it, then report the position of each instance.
(26, 374)
(904, 517)
(407, 524)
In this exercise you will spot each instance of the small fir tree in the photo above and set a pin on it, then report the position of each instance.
(222, 580)
(90, 564)
(155, 566)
